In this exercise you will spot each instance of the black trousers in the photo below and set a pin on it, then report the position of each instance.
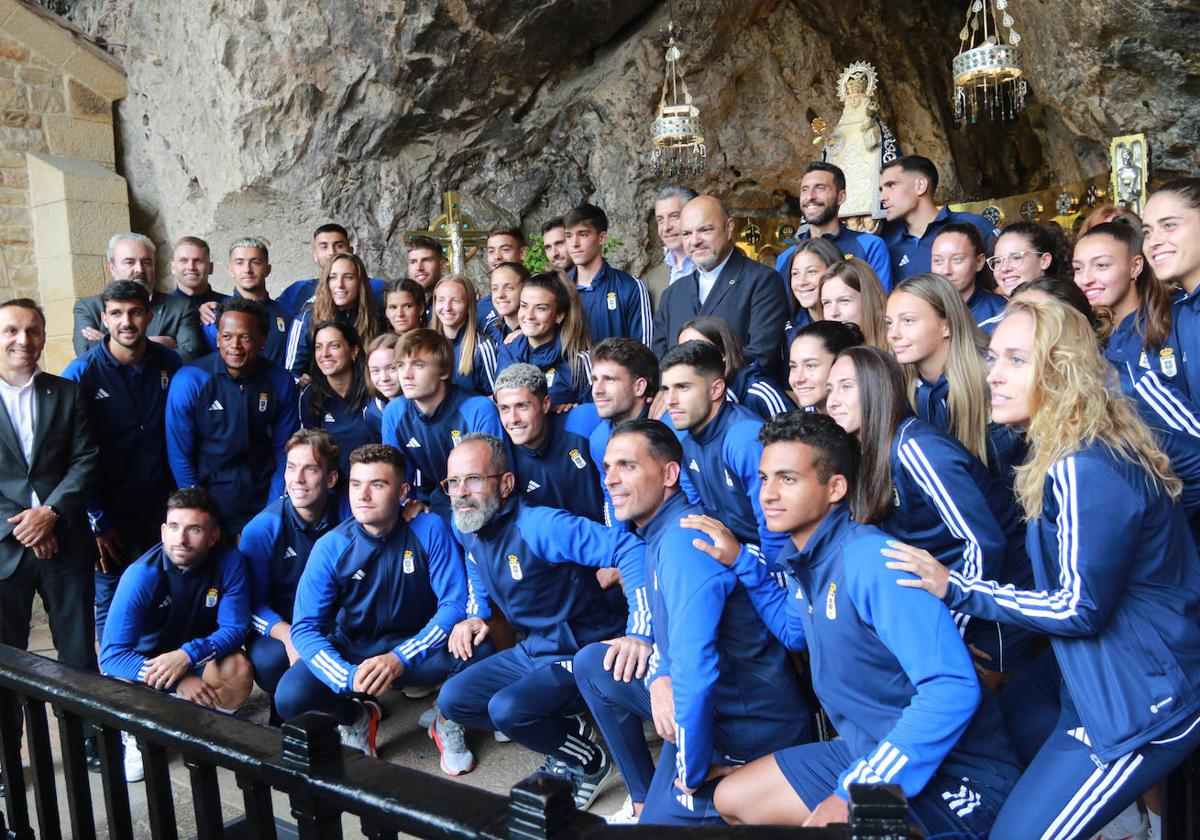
(67, 589)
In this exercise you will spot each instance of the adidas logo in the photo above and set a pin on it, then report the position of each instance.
(904, 260)
(359, 575)
(216, 406)
(413, 443)
(533, 485)
(166, 603)
(289, 552)
(694, 466)
(101, 394)
(329, 418)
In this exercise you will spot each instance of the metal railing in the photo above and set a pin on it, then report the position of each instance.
(306, 762)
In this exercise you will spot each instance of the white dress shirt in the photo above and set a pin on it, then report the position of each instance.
(708, 279)
(21, 408)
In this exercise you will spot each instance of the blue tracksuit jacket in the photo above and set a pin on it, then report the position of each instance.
(887, 662)
(987, 308)
(228, 434)
(911, 255)
(351, 429)
(1176, 426)
(758, 391)
(561, 473)
(947, 504)
(1127, 346)
(158, 608)
(530, 562)
(276, 544)
(426, 439)
(482, 378)
(1117, 589)
(1006, 447)
(617, 305)
(799, 321)
(406, 589)
(300, 292)
(548, 358)
(277, 335)
(127, 409)
(729, 677)
(867, 247)
(721, 462)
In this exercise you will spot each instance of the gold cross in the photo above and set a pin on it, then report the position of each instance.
(455, 231)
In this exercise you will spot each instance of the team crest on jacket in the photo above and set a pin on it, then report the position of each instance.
(262, 401)
(514, 567)
(728, 478)
(210, 598)
(550, 378)
(612, 301)
(164, 379)
(1166, 360)
(830, 603)
(279, 324)
(408, 562)
(577, 459)
(455, 437)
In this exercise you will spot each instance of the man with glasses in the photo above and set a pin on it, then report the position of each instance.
(529, 563)
(906, 189)
(374, 607)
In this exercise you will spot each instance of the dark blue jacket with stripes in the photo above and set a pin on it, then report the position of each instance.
(758, 391)
(362, 595)
(562, 472)
(617, 305)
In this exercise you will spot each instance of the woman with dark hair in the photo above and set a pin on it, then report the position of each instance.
(336, 398)
(812, 258)
(959, 255)
(343, 294)
(810, 358)
(746, 383)
(1115, 705)
(1171, 245)
(554, 337)
(923, 487)
(404, 305)
(1025, 251)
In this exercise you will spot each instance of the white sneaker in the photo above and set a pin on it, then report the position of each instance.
(134, 771)
(419, 692)
(623, 815)
(501, 738)
(1130, 824)
(451, 742)
(360, 735)
(428, 717)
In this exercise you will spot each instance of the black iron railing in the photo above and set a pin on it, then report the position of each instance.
(322, 780)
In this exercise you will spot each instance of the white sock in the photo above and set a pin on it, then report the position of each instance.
(1155, 825)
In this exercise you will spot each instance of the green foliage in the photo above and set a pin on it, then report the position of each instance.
(535, 252)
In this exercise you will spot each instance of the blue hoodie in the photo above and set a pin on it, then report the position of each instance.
(549, 359)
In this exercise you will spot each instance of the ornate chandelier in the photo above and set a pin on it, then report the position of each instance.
(677, 132)
(988, 80)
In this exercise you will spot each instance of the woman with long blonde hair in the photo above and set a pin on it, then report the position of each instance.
(1116, 584)
(343, 294)
(454, 302)
(850, 292)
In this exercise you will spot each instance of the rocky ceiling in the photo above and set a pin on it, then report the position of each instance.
(269, 117)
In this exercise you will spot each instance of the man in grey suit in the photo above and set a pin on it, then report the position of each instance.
(130, 256)
(48, 461)
(750, 296)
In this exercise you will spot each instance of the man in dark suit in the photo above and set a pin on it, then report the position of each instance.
(48, 461)
(726, 283)
(131, 257)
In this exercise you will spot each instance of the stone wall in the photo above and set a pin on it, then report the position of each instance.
(270, 117)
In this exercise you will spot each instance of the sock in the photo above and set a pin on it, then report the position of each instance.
(1155, 825)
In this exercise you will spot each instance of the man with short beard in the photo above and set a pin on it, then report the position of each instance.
(554, 242)
(125, 379)
(529, 562)
(822, 194)
(426, 262)
(130, 256)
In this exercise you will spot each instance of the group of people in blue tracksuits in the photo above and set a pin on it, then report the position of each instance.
(967, 568)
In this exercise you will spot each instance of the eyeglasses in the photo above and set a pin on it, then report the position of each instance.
(1015, 258)
(472, 483)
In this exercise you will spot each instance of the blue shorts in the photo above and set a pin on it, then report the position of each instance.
(949, 806)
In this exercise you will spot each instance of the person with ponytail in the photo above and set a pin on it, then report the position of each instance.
(923, 487)
(1171, 245)
(811, 356)
(454, 301)
(811, 259)
(336, 397)
(746, 383)
(940, 349)
(850, 292)
(404, 305)
(343, 294)
(383, 373)
(1026, 251)
(554, 337)
(1114, 705)
(959, 255)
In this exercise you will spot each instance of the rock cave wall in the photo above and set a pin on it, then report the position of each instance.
(269, 117)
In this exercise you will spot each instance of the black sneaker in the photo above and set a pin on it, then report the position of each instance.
(586, 785)
(91, 754)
